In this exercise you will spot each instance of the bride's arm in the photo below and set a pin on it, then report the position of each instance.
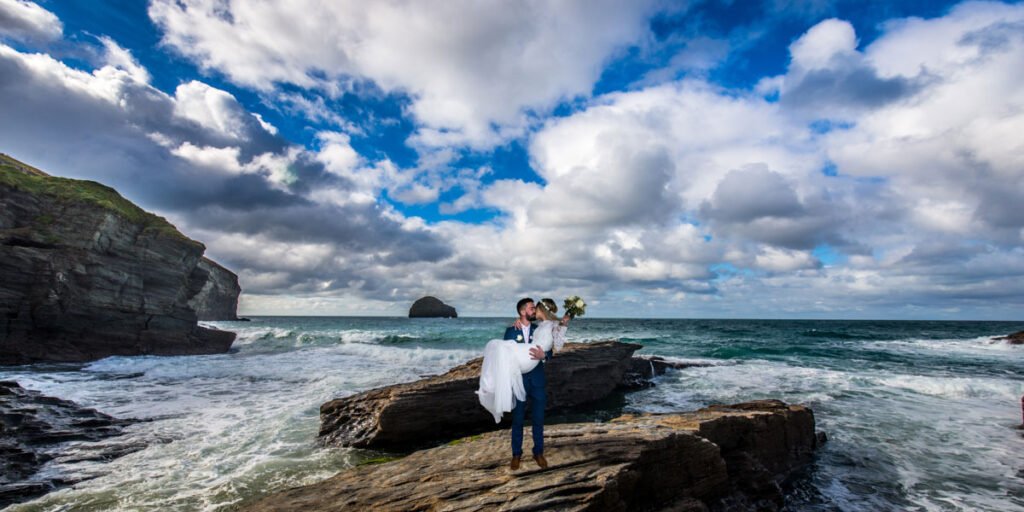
(558, 336)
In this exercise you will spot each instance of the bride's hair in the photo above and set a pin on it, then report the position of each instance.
(549, 308)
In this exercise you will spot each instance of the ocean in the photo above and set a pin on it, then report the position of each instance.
(919, 415)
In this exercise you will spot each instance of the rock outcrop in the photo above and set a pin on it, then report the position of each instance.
(644, 368)
(35, 429)
(86, 274)
(442, 407)
(719, 458)
(218, 299)
(1016, 338)
(431, 307)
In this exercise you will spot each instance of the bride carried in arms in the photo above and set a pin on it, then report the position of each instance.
(505, 361)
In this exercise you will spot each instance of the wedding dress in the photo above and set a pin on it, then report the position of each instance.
(505, 362)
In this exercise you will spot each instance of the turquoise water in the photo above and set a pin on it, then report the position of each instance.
(920, 415)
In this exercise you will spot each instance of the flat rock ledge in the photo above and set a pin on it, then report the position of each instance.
(718, 458)
(444, 407)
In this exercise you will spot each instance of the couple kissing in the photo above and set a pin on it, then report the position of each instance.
(512, 374)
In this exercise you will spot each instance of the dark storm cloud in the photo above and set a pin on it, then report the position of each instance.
(994, 38)
(853, 84)
(358, 228)
(1001, 205)
(760, 204)
(751, 193)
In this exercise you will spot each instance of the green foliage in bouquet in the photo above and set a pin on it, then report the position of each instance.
(575, 306)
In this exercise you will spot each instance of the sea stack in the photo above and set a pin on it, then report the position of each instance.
(431, 307)
(86, 274)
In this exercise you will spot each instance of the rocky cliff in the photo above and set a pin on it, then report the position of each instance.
(431, 307)
(86, 274)
(719, 458)
(218, 298)
(442, 407)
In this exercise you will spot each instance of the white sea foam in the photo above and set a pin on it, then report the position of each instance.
(224, 426)
(938, 443)
(982, 346)
(234, 426)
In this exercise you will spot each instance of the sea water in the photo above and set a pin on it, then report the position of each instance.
(919, 415)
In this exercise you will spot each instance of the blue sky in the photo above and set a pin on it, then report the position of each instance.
(775, 158)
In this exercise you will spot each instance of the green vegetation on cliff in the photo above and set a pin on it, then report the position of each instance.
(20, 176)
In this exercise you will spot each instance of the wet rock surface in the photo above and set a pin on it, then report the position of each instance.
(1016, 338)
(443, 407)
(36, 429)
(86, 274)
(718, 458)
(644, 368)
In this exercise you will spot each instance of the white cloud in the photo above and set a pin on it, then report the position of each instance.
(211, 108)
(477, 80)
(122, 60)
(949, 149)
(682, 198)
(110, 82)
(222, 159)
(27, 21)
(785, 260)
(822, 43)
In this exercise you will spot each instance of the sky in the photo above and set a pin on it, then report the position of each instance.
(693, 159)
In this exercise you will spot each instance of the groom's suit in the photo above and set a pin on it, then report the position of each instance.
(535, 383)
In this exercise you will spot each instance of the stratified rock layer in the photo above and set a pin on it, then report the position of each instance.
(35, 428)
(86, 274)
(720, 458)
(444, 407)
(431, 307)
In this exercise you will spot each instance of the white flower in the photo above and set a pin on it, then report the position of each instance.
(580, 303)
(519, 338)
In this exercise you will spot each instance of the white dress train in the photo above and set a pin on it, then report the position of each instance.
(505, 362)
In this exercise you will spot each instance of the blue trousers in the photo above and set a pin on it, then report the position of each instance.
(535, 383)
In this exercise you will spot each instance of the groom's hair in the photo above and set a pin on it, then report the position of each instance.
(522, 304)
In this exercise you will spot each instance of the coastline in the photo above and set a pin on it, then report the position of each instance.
(230, 427)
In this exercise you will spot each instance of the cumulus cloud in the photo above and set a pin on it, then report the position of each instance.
(948, 150)
(865, 180)
(829, 78)
(201, 159)
(27, 21)
(477, 81)
(755, 185)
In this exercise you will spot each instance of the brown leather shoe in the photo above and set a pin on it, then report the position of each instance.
(541, 461)
(515, 463)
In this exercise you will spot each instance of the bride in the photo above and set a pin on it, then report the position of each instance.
(505, 361)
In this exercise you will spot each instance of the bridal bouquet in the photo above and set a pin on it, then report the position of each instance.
(575, 306)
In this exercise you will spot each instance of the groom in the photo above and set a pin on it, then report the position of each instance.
(535, 383)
